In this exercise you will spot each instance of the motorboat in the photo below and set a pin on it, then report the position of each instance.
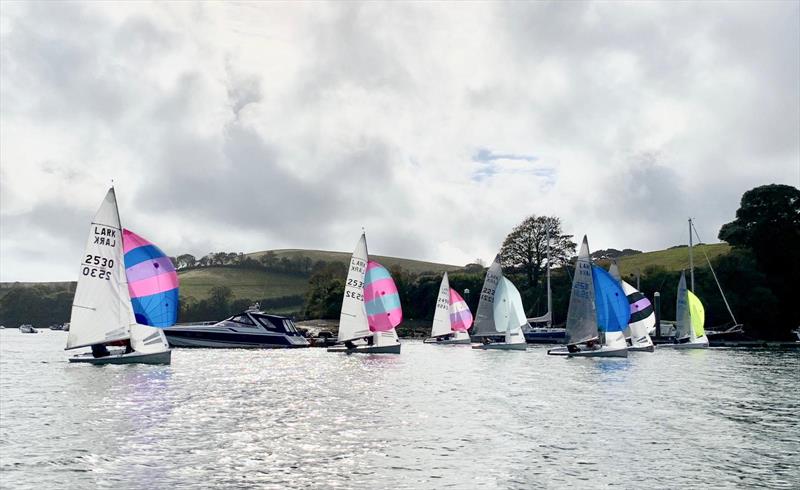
(27, 329)
(251, 328)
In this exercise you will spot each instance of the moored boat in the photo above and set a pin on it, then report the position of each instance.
(26, 328)
(251, 328)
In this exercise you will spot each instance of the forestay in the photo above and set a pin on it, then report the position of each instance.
(353, 319)
(581, 320)
(484, 316)
(101, 309)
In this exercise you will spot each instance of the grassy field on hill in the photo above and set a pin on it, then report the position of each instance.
(414, 266)
(673, 259)
(245, 283)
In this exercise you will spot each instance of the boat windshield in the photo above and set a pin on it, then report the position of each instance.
(289, 326)
(270, 325)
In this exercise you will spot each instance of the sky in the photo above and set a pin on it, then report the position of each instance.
(437, 127)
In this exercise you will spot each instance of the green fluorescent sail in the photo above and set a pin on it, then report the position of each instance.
(697, 313)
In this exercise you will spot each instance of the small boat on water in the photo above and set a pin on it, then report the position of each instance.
(26, 328)
(370, 308)
(500, 312)
(102, 312)
(251, 328)
(452, 317)
(598, 312)
(643, 316)
(690, 320)
(545, 332)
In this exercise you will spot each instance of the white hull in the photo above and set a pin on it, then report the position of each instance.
(367, 349)
(685, 345)
(501, 346)
(646, 348)
(433, 340)
(601, 352)
(163, 357)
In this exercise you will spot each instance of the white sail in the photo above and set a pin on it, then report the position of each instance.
(441, 316)
(101, 309)
(638, 329)
(509, 314)
(484, 316)
(613, 270)
(581, 315)
(148, 340)
(353, 322)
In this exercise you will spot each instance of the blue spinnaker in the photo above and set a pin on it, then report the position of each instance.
(613, 310)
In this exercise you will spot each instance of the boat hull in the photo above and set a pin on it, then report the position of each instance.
(648, 348)
(602, 352)
(367, 349)
(184, 337)
(685, 345)
(447, 342)
(163, 357)
(501, 346)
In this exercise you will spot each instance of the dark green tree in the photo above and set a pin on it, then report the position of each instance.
(768, 224)
(525, 248)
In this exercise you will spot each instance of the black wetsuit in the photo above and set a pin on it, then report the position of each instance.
(99, 350)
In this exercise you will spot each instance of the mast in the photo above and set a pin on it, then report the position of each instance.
(691, 261)
(549, 291)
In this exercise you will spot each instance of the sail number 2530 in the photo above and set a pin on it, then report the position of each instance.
(101, 264)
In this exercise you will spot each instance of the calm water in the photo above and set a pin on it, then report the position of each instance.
(433, 417)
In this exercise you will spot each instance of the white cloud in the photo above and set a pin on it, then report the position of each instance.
(269, 125)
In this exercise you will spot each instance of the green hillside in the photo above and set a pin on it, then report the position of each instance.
(245, 283)
(673, 259)
(414, 266)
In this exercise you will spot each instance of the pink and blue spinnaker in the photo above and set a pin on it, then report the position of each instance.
(460, 316)
(381, 299)
(152, 282)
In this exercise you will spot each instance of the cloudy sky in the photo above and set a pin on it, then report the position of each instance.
(437, 127)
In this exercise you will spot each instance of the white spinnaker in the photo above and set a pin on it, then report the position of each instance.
(441, 316)
(353, 322)
(101, 309)
(509, 314)
(638, 331)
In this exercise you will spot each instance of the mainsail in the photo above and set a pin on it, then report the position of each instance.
(441, 315)
(460, 316)
(581, 320)
(353, 319)
(683, 321)
(101, 309)
(484, 316)
(613, 311)
(381, 299)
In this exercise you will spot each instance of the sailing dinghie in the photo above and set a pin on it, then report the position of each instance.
(690, 320)
(452, 317)
(500, 312)
(643, 316)
(598, 313)
(102, 312)
(370, 308)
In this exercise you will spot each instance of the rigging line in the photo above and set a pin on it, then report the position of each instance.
(715, 277)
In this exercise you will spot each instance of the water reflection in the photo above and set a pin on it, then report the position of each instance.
(433, 417)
